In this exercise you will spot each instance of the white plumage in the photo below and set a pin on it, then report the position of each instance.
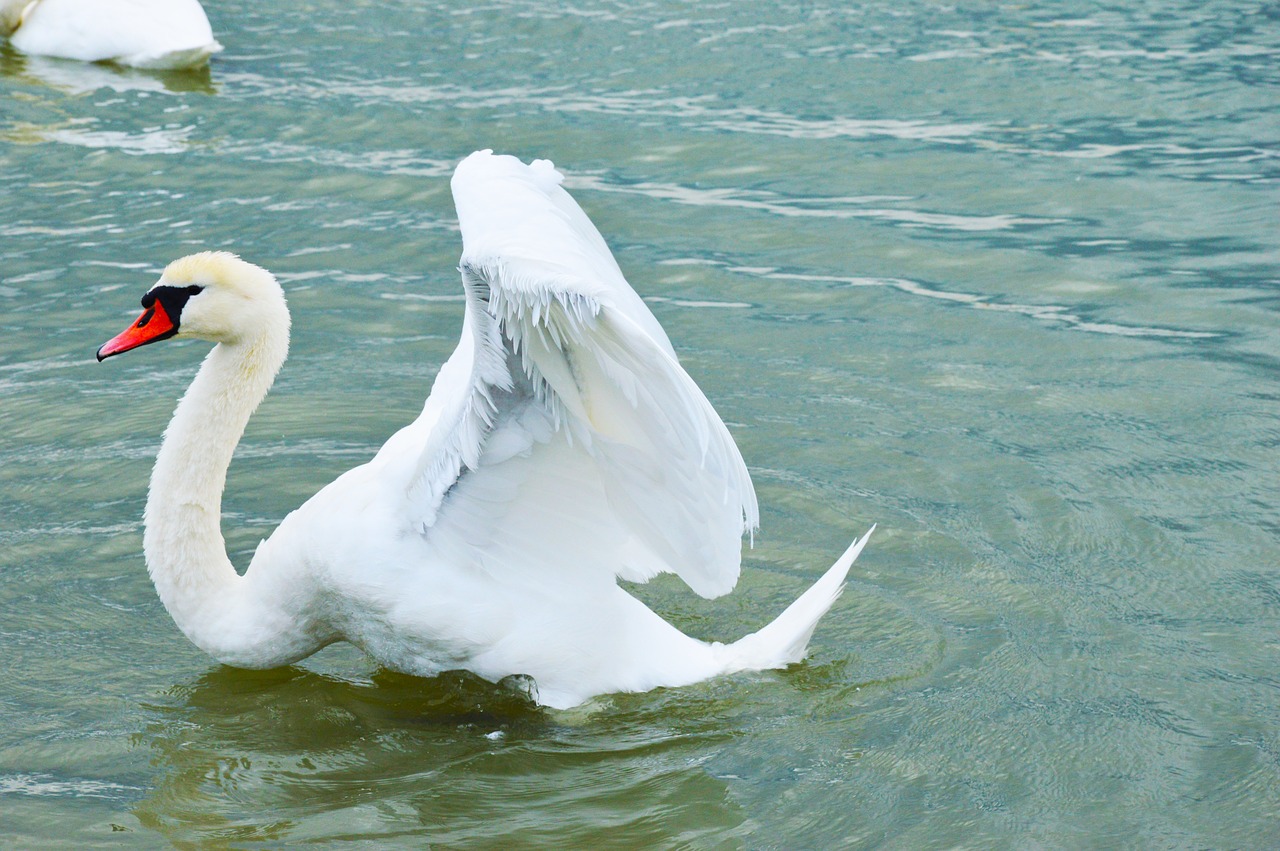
(561, 447)
(159, 34)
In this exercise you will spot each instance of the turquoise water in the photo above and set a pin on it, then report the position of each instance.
(1002, 280)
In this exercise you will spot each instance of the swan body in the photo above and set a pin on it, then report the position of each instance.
(562, 447)
(159, 34)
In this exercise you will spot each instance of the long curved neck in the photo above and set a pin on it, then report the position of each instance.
(186, 555)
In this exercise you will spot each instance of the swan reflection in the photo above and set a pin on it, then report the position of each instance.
(78, 78)
(294, 755)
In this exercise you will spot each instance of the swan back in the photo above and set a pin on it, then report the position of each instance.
(140, 33)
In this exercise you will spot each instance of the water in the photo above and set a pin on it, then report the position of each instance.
(1002, 280)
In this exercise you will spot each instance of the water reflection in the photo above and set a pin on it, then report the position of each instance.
(264, 756)
(79, 78)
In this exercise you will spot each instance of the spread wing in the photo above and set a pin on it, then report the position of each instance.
(563, 437)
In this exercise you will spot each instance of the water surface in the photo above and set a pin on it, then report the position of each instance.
(1001, 280)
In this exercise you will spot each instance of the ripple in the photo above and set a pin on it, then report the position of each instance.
(402, 162)
(43, 785)
(1043, 312)
(855, 207)
(159, 140)
(682, 302)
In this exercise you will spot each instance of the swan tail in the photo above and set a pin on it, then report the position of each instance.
(785, 640)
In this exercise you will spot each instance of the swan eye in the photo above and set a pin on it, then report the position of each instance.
(173, 298)
(183, 292)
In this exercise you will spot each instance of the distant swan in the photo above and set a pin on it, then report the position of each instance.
(157, 34)
(562, 447)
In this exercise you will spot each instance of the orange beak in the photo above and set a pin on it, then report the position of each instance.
(153, 325)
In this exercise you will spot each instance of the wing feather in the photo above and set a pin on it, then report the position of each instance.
(571, 440)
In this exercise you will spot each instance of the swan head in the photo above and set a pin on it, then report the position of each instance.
(214, 296)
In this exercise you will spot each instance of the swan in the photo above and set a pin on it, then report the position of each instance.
(158, 34)
(561, 448)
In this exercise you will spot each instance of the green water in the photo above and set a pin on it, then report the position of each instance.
(1002, 280)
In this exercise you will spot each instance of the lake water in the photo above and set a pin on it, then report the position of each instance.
(1002, 280)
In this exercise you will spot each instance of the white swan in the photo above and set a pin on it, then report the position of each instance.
(562, 446)
(160, 34)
